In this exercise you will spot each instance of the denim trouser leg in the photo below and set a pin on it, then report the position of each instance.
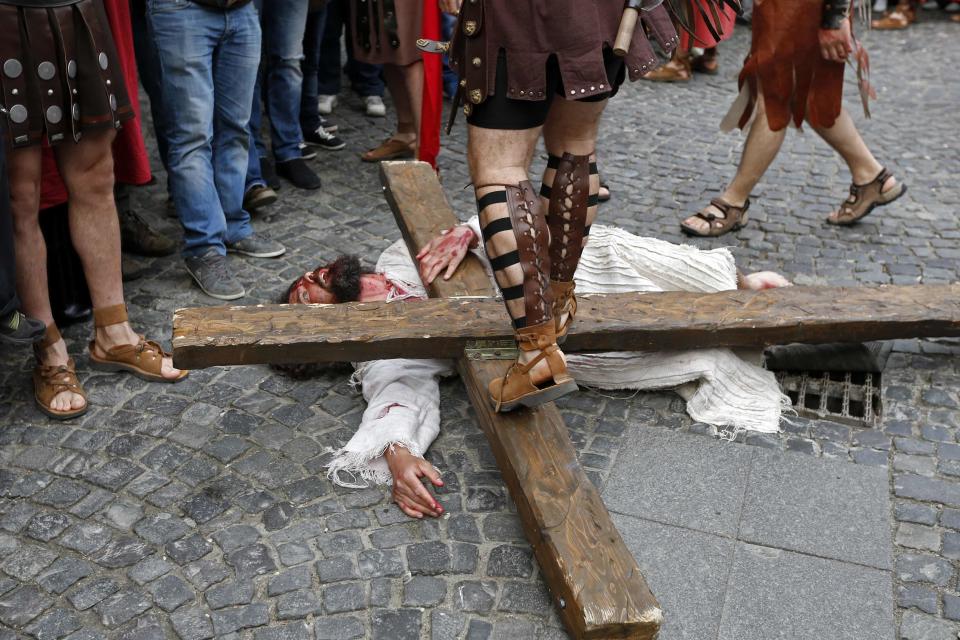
(329, 71)
(234, 77)
(257, 149)
(148, 65)
(312, 41)
(208, 60)
(284, 22)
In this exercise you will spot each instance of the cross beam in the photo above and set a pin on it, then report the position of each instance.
(204, 337)
(595, 582)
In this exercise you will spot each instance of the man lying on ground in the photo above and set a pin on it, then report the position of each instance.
(402, 418)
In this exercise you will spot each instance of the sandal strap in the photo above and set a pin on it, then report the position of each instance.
(106, 316)
(146, 355)
(51, 336)
(58, 378)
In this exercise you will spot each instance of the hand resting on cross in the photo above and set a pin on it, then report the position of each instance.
(446, 251)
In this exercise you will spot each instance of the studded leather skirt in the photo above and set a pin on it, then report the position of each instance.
(59, 71)
(386, 31)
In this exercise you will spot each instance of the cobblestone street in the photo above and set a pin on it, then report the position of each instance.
(202, 510)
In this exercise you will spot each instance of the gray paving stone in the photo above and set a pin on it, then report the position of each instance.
(54, 624)
(344, 597)
(161, 528)
(20, 606)
(293, 553)
(122, 552)
(292, 631)
(917, 626)
(700, 484)
(845, 518)
(923, 598)
(402, 624)
(170, 592)
(192, 623)
(229, 620)
(230, 594)
(148, 569)
(28, 561)
(445, 624)
(298, 604)
(423, 591)
(428, 558)
(251, 561)
(917, 536)
(63, 574)
(337, 569)
(381, 592)
(475, 595)
(91, 592)
(290, 580)
(377, 563)
(687, 570)
(917, 567)
(188, 549)
(122, 606)
(338, 628)
(236, 536)
(827, 599)
(507, 561)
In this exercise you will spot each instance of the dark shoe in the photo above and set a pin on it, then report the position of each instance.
(210, 272)
(306, 152)
(257, 245)
(138, 237)
(18, 328)
(269, 173)
(299, 174)
(258, 196)
(328, 126)
(323, 139)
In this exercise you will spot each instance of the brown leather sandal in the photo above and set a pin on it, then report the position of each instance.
(144, 359)
(564, 302)
(735, 218)
(390, 149)
(49, 381)
(864, 198)
(516, 388)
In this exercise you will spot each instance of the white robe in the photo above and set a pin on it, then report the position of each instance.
(721, 388)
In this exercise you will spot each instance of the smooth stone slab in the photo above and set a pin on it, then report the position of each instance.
(822, 507)
(775, 594)
(678, 479)
(687, 570)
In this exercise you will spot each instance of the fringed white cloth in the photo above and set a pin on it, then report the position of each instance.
(721, 388)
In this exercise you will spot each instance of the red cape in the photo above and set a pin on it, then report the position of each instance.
(131, 164)
(703, 37)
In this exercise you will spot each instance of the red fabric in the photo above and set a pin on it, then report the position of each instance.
(702, 36)
(131, 164)
(432, 109)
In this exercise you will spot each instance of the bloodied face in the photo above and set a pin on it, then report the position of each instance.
(338, 281)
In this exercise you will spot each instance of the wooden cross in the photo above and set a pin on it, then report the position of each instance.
(595, 582)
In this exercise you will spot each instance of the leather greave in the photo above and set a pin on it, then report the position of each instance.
(528, 225)
(569, 198)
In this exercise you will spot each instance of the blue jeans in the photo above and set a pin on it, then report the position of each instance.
(312, 42)
(208, 62)
(364, 78)
(283, 24)
(148, 66)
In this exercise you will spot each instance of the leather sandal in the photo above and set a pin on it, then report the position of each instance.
(735, 218)
(391, 149)
(517, 388)
(144, 359)
(564, 302)
(49, 381)
(864, 198)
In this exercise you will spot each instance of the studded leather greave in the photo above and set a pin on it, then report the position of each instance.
(571, 196)
(516, 240)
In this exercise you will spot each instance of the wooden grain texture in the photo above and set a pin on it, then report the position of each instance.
(616, 322)
(594, 580)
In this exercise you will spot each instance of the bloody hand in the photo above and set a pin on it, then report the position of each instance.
(836, 44)
(408, 491)
(446, 251)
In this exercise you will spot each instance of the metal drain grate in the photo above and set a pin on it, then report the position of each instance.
(848, 397)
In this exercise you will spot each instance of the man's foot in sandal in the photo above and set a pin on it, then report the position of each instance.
(864, 198)
(117, 347)
(56, 388)
(716, 219)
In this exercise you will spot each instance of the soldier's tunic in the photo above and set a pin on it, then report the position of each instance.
(59, 71)
(571, 32)
(386, 31)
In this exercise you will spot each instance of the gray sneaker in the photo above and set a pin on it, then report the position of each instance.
(257, 245)
(211, 274)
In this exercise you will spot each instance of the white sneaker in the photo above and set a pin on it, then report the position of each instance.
(375, 106)
(325, 104)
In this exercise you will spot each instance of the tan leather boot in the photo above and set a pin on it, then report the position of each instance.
(564, 303)
(518, 388)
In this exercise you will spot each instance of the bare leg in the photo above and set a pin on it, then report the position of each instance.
(31, 260)
(498, 157)
(406, 89)
(759, 151)
(87, 169)
(845, 140)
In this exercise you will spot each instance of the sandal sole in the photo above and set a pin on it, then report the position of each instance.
(850, 223)
(106, 365)
(690, 232)
(61, 415)
(536, 399)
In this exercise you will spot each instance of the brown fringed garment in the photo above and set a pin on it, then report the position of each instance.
(798, 83)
